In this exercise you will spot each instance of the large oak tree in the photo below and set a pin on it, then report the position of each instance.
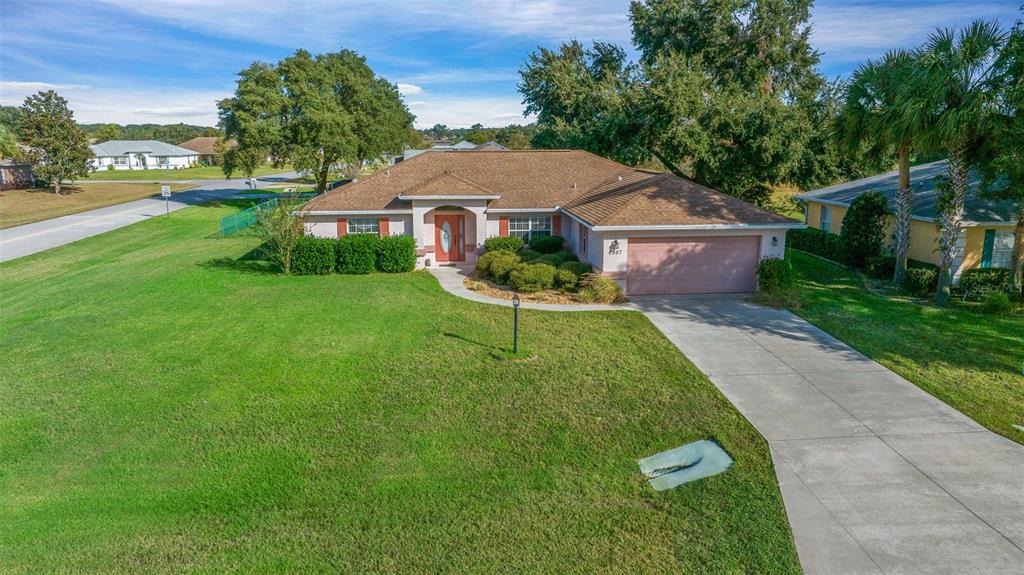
(58, 148)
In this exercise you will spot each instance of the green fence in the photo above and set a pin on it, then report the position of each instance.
(237, 222)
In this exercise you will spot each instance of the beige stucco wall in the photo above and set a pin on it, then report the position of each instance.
(327, 226)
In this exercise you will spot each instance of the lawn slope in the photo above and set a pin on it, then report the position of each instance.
(19, 207)
(167, 408)
(970, 360)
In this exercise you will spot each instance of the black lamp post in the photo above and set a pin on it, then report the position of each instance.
(515, 323)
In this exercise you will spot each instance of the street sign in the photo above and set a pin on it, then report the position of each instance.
(165, 191)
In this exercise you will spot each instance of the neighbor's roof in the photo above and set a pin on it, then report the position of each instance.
(924, 180)
(585, 185)
(152, 147)
(640, 198)
(205, 144)
(491, 146)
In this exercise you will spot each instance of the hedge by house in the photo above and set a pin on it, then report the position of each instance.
(314, 256)
(357, 254)
(982, 279)
(815, 241)
(396, 254)
(547, 244)
(863, 229)
(503, 243)
(529, 278)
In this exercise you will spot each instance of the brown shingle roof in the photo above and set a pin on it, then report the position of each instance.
(646, 199)
(597, 190)
(204, 144)
(448, 184)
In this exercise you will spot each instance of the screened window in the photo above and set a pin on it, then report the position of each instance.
(1002, 249)
(531, 227)
(364, 226)
(120, 161)
(826, 218)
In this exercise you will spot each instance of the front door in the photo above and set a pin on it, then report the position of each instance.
(448, 232)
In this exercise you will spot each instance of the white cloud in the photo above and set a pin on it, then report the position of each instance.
(13, 89)
(464, 111)
(409, 89)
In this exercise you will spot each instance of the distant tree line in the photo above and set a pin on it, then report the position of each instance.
(514, 136)
(10, 122)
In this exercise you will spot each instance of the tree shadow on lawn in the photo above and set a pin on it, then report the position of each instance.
(252, 262)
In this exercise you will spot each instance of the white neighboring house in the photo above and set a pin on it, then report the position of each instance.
(141, 155)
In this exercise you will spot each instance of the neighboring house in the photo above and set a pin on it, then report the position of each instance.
(15, 174)
(206, 147)
(654, 233)
(987, 238)
(447, 146)
(141, 155)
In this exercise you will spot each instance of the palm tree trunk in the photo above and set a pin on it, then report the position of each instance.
(904, 210)
(1017, 260)
(951, 221)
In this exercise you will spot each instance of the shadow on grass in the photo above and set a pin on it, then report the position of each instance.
(472, 341)
(251, 262)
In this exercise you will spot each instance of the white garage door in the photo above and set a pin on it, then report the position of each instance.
(723, 264)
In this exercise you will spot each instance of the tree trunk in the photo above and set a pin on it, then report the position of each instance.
(669, 164)
(951, 221)
(1017, 260)
(904, 210)
(321, 178)
(56, 186)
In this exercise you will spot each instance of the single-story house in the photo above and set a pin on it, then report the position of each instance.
(986, 240)
(206, 147)
(447, 146)
(654, 233)
(15, 174)
(141, 155)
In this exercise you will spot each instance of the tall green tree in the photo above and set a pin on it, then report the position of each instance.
(1002, 161)
(59, 148)
(324, 114)
(108, 132)
(952, 94)
(872, 120)
(8, 144)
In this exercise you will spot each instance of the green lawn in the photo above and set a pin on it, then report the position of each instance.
(199, 173)
(970, 360)
(165, 407)
(18, 207)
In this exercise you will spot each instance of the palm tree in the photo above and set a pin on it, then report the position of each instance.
(872, 116)
(951, 94)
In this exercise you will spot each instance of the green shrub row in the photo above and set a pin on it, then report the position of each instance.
(817, 242)
(503, 243)
(775, 275)
(985, 279)
(355, 254)
(557, 270)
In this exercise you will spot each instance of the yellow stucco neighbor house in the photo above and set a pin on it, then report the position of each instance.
(987, 238)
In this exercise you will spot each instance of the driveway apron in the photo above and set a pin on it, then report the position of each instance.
(877, 476)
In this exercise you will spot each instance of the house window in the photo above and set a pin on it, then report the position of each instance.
(120, 161)
(528, 228)
(582, 230)
(162, 161)
(1002, 249)
(364, 226)
(826, 218)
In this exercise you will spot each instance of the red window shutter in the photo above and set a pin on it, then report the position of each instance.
(383, 224)
(556, 225)
(342, 227)
(503, 226)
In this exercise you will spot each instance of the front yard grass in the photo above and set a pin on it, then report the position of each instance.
(166, 406)
(19, 207)
(197, 173)
(970, 360)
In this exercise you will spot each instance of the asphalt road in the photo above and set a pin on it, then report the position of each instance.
(32, 238)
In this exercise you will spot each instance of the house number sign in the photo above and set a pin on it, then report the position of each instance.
(614, 249)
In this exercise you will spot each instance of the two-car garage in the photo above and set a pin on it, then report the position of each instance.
(692, 265)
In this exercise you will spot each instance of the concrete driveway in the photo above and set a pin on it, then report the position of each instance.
(31, 238)
(877, 475)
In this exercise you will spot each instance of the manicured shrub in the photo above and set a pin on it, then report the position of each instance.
(547, 244)
(864, 228)
(985, 279)
(556, 259)
(506, 243)
(357, 254)
(882, 267)
(596, 288)
(314, 256)
(496, 265)
(529, 278)
(577, 267)
(396, 254)
(997, 303)
(921, 281)
(529, 255)
(775, 275)
(815, 241)
(566, 280)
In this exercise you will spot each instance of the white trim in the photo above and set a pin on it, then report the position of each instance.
(793, 226)
(357, 213)
(555, 209)
(495, 197)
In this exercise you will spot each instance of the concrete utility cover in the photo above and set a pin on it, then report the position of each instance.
(690, 462)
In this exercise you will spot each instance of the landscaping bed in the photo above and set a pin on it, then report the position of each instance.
(491, 289)
(169, 405)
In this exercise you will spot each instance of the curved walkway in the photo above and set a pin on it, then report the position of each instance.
(877, 476)
(452, 278)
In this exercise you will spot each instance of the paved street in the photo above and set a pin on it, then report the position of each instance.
(877, 475)
(31, 238)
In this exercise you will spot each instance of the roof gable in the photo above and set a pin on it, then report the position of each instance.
(448, 184)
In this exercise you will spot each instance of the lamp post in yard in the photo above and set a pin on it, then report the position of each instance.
(515, 323)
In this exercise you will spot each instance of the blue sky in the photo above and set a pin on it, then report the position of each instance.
(456, 62)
